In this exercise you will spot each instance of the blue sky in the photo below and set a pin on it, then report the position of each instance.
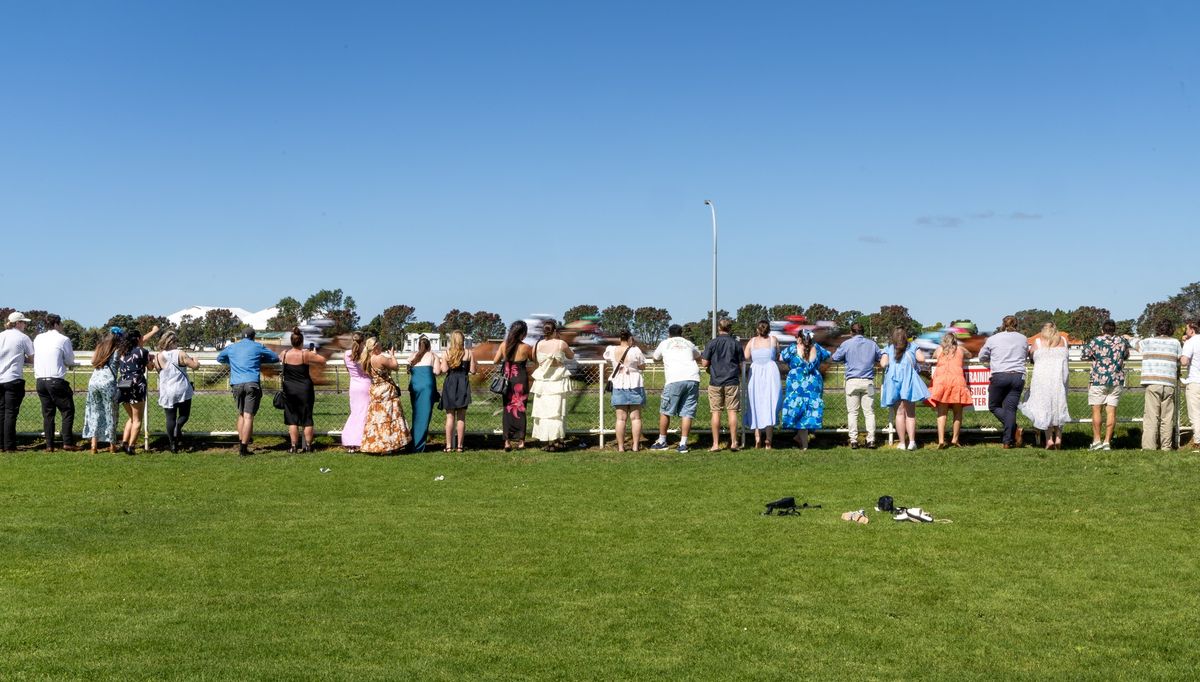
(964, 159)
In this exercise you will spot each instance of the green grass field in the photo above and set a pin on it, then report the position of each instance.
(596, 565)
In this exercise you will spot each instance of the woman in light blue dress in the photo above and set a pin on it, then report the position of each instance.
(902, 387)
(763, 385)
(100, 410)
(804, 404)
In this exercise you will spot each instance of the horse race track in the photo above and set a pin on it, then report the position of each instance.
(599, 566)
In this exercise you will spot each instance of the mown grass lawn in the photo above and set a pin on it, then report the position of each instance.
(596, 565)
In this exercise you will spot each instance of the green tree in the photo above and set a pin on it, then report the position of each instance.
(847, 318)
(747, 319)
(486, 325)
(614, 318)
(1170, 309)
(122, 321)
(37, 322)
(393, 323)
(1030, 321)
(1084, 322)
(698, 333)
(784, 310)
(144, 323)
(421, 327)
(287, 315)
(220, 327)
(1126, 327)
(650, 324)
(192, 334)
(818, 312)
(457, 319)
(91, 338)
(891, 316)
(75, 332)
(335, 306)
(578, 312)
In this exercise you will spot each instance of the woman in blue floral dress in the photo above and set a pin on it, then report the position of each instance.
(100, 411)
(804, 397)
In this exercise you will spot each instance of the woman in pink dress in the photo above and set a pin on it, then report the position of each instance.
(360, 396)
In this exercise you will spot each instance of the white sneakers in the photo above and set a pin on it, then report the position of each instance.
(912, 445)
(1100, 446)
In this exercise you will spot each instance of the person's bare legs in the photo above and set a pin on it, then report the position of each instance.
(663, 423)
(958, 410)
(942, 409)
(910, 420)
(685, 427)
(294, 436)
(635, 419)
(802, 438)
(460, 425)
(767, 443)
(449, 430)
(622, 417)
(715, 423)
(732, 418)
(1096, 424)
(757, 438)
(308, 437)
(134, 426)
(1111, 413)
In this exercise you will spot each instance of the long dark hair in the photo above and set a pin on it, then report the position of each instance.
(297, 337)
(131, 339)
(104, 350)
(516, 332)
(423, 346)
(899, 342)
(763, 328)
(806, 343)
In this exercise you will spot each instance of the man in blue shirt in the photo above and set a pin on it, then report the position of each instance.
(245, 358)
(861, 355)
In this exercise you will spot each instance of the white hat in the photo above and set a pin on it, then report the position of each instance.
(14, 318)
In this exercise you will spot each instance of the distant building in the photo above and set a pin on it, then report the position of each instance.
(257, 320)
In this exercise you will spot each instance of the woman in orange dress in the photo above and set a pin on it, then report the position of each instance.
(385, 430)
(949, 390)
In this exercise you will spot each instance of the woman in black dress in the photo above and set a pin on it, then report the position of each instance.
(132, 361)
(510, 358)
(298, 392)
(457, 364)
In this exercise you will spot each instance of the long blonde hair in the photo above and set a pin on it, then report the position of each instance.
(356, 345)
(1049, 334)
(457, 350)
(364, 358)
(949, 343)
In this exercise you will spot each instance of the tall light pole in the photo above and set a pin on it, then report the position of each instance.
(713, 209)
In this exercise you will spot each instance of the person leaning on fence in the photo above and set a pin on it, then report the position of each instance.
(722, 357)
(1108, 353)
(950, 392)
(15, 350)
(1160, 376)
(903, 387)
(1191, 385)
(245, 359)
(628, 388)
(681, 392)
(1006, 352)
(459, 365)
(299, 394)
(132, 362)
(175, 389)
(763, 386)
(422, 368)
(360, 394)
(52, 357)
(511, 359)
(100, 409)
(551, 384)
(385, 430)
(804, 390)
(860, 355)
(1046, 404)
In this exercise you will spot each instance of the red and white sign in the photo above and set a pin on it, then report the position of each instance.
(978, 378)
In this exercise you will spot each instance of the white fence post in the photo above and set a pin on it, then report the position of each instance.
(600, 389)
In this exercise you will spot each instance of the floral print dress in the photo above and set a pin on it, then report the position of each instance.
(804, 389)
(385, 429)
(515, 398)
(100, 412)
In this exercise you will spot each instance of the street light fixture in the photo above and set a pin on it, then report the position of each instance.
(713, 209)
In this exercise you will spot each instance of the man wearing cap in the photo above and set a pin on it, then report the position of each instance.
(15, 350)
(52, 357)
(245, 359)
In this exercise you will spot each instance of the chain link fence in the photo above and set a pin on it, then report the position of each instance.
(589, 414)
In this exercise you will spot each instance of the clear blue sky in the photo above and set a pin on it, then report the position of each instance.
(964, 159)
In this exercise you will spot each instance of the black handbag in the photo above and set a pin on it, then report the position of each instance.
(279, 402)
(608, 385)
(499, 382)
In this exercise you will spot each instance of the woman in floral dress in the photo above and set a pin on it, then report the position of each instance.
(385, 430)
(512, 357)
(804, 399)
(100, 412)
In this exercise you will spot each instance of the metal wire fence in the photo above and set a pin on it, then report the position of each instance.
(589, 413)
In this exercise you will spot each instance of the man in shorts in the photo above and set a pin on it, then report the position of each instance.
(245, 359)
(1108, 353)
(681, 393)
(723, 358)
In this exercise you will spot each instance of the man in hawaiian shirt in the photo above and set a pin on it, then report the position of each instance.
(1108, 353)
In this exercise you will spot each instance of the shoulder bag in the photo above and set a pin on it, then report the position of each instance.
(608, 384)
(280, 400)
(499, 382)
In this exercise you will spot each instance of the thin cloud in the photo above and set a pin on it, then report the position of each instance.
(871, 239)
(940, 221)
(952, 221)
(983, 215)
(1021, 215)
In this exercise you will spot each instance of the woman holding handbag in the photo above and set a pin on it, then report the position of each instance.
(628, 388)
(175, 389)
(132, 361)
(513, 380)
(299, 394)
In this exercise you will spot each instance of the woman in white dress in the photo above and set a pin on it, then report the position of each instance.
(551, 384)
(1046, 405)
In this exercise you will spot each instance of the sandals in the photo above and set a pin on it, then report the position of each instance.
(856, 517)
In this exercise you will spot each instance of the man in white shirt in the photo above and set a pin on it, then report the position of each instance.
(681, 389)
(52, 357)
(1191, 385)
(15, 350)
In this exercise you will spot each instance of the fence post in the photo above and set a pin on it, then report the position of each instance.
(600, 388)
(146, 423)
